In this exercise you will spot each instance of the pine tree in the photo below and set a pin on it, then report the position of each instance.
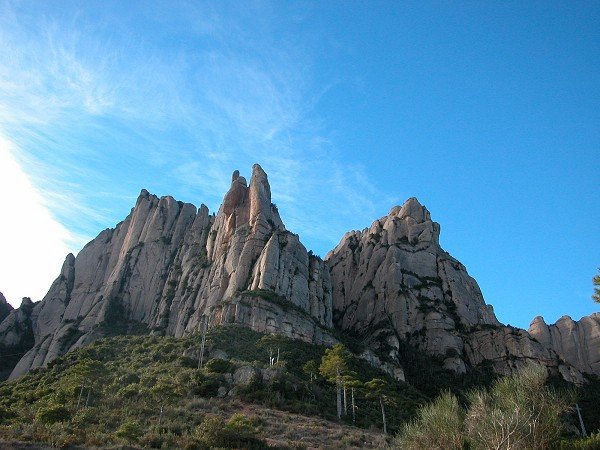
(334, 365)
(596, 281)
(380, 389)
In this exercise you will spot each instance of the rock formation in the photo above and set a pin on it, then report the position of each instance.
(393, 282)
(16, 336)
(578, 343)
(5, 307)
(169, 268)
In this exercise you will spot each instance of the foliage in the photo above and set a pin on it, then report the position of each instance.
(144, 380)
(99, 394)
(52, 414)
(130, 431)
(589, 443)
(439, 425)
(238, 432)
(596, 282)
(218, 365)
(334, 363)
(518, 412)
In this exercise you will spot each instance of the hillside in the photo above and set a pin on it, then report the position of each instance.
(119, 386)
(148, 391)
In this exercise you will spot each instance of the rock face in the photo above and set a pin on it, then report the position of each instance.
(393, 282)
(16, 335)
(168, 266)
(578, 343)
(5, 307)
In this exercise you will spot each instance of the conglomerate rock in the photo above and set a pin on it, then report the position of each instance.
(577, 342)
(170, 268)
(393, 282)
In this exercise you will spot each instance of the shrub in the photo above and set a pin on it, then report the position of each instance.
(219, 366)
(52, 414)
(129, 430)
(439, 426)
(518, 412)
(238, 432)
(519, 409)
(589, 443)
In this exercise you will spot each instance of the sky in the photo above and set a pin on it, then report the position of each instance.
(487, 112)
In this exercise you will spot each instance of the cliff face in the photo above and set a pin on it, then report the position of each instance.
(394, 282)
(5, 307)
(16, 335)
(168, 266)
(578, 343)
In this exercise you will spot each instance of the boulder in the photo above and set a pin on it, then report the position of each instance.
(245, 376)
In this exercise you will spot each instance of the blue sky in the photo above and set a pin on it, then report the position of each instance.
(488, 112)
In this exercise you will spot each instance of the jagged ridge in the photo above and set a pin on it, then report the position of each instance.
(168, 267)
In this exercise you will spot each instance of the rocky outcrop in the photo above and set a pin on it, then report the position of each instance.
(577, 342)
(393, 282)
(168, 266)
(16, 335)
(5, 307)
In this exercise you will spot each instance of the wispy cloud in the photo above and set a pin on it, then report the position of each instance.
(31, 240)
(95, 112)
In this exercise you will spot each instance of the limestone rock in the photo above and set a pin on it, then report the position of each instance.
(577, 342)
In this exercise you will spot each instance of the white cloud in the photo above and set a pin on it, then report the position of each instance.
(33, 244)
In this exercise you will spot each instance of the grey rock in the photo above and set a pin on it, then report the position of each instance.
(219, 354)
(16, 335)
(577, 342)
(5, 307)
(394, 278)
(168, 266)
(245, 375)
(222, 392)
(270, 374)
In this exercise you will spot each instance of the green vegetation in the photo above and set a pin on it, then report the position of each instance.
(596, 282)
(519, 412)
(143, 391)
(147, 391)
(439, 425)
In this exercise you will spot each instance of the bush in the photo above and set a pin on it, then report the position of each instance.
(238, 432)
(519, 409)
(589, 443)
(439, 426)
(52, 414)
(129, 430)
(518, 412)
(219, 366)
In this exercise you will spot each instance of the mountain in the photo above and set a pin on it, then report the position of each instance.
(577, 342)
(170, 268)
(169, 265)
(393, 282)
